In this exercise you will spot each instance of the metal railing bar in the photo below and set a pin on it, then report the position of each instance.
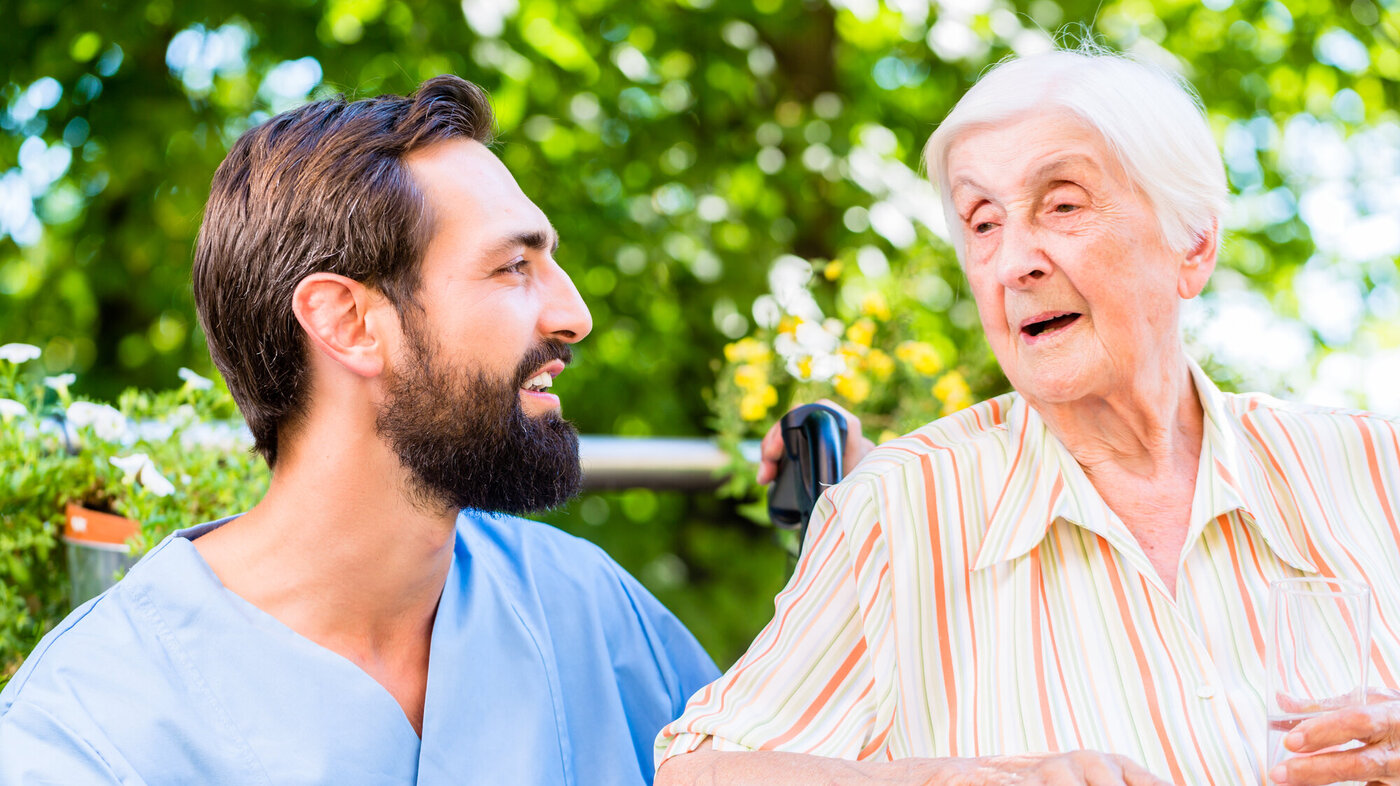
(661, 463)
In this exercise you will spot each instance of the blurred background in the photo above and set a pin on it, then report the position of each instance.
(690, 152)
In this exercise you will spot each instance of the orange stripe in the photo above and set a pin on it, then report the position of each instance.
(822, 698)
(1147, 592)
(1060, 670)
(1376, 480)
(876, 744)
(1010, 472)
(940, 599)
(1116, 580)
(867, 546)
(1052, 740)
(840, 725)
(866, 608)
(1227, 531)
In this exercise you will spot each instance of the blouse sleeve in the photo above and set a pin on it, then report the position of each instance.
(806, 683)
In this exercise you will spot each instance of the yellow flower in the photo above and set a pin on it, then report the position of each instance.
(832, 271)
(874, 305)
(750, 377)
(788, 324)
(886, 436)
(751, 407)
(855, 388)
(862, 332)
(747, 350)
(879, 364)
(804, 367)
(853, 354)
(921, 355)
(754, 405)
(953, 391)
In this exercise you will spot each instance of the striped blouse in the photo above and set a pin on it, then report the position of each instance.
(966, 592)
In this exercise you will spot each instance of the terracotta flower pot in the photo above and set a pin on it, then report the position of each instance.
(97, 551)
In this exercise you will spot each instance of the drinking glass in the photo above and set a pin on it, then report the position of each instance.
(1318, 651)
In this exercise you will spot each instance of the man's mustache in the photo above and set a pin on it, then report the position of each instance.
(547, 350)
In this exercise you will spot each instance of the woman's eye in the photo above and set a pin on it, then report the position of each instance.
(1065, 207)
(983, 227)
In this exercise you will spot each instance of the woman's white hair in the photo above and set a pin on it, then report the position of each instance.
(1150, 118)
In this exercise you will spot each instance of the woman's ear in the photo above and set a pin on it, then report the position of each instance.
(342, 322)
(1199, 263)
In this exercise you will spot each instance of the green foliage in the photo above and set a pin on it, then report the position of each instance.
(167, 460)
(680, 147)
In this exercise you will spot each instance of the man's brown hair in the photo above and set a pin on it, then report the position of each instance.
(320, 188)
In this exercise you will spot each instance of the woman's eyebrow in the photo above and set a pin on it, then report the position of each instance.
(1055, 168)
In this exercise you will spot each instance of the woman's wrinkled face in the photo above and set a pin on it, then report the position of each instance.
(1077, 291)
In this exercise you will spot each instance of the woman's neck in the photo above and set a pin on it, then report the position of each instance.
(1150, 427)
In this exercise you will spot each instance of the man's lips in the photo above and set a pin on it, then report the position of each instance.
(542, 379)
(1047, 322)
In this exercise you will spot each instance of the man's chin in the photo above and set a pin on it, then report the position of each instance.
(537, 405)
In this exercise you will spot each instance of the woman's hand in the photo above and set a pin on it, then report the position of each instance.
(771, 449)
(1376, 761)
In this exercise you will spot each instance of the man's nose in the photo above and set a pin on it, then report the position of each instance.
(1021, 256)
(565, 316)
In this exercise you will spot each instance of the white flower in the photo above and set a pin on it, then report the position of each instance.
(194, 380)
(60, 383)
(809, 351)
(139, 468)
(815, 338)
(9, 408)
(219, 436)
(154, 482)
(788, 278)
(822, 368)
(108, 423)
(19, 353)
(130, 465)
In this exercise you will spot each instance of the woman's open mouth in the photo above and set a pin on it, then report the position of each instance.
(1048, 323)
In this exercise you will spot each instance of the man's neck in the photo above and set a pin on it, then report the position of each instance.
(339, 553)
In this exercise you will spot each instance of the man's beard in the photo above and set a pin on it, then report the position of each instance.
(465, 440)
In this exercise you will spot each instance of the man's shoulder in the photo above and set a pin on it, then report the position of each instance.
(107, 644)
(88, 690)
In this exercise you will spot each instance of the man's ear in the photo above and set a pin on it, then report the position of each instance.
(1199, 263)
(343, 321)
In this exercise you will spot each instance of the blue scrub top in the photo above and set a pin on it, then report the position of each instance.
(549, 664)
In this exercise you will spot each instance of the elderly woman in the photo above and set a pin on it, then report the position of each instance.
(1067, 584)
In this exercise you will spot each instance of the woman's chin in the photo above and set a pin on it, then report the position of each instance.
(1058, 386)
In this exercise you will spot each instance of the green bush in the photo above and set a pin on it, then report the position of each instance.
(167, 460)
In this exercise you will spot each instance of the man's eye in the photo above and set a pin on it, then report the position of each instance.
(518, 266)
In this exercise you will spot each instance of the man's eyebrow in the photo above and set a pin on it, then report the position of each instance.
(537, 239)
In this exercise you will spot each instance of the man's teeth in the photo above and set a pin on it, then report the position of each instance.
(541, 381)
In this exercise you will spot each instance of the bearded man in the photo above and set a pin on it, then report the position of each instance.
(386, 308)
